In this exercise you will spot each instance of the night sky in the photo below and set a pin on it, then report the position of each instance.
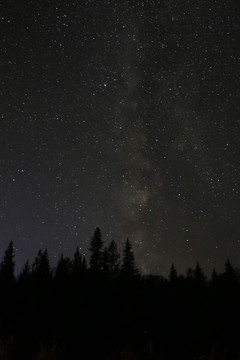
(122, 115)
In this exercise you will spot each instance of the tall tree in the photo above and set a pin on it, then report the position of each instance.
(230, 275)
(214, 275)
(190, 274)
(173, 274)
(7, 266)
(63, 270)
(110, 259)
(199, 276)
(41, 268)
(25, 274)
(84, 264)
(128, 268)
(105, 261)
(229, 268)
(114, 258)
(96, 248)
(77, 263)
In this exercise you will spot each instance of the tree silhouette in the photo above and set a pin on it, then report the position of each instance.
(214, 278)
(77, 264)
(41, 267)
(7, 266)
(114, 258)
(105, 261)
(111, 259)
(84, 264)
(63, 270)
(229, 268)
(190, 276)
(7, 291)
(128, 268)
(229, 275)
(173, 274)
(199, 276)
(25, 274)
(96, 248)
(214, 275)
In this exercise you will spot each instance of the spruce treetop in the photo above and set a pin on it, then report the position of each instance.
(128, 268)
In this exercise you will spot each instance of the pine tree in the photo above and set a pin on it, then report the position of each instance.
(214, 278)
(173, 274)
(114, 258)
(229, 274)
(96, 249)
(84, 264)
(7, 266)
(25, 274)
(229, 268)
(41, 267)
(214, 275)
(79, 266)
(77, 263)
(24, 283)
(63, 270)
(128, 268)
(110, 259)
(105, 261)
(199, 276)
(190, 274)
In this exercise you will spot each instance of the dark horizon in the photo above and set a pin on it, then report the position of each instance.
(87, 258)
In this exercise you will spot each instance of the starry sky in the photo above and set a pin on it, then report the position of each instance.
(122, 115)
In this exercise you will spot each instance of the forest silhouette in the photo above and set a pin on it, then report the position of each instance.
(107, 310)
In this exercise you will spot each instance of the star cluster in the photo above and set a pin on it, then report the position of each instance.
(123, 115)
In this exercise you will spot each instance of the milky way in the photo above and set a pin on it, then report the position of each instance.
(123, 115)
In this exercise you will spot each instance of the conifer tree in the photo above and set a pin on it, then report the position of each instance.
(229, 268)
(173, 274)
(199, 276)
(229, 274)
(84, 264)
(41, 267)
(114, 258)
(77, 263)
(96, 248)
(214, 275)
(214, 278)
(105, 261)
(63, 270)
(110, 259)
(190, 274)
(128, 268)
(24, 284)
(7, 266)
(25, 274)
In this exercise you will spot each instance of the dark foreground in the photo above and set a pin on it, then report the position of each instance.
(113, 313)
(95, 317)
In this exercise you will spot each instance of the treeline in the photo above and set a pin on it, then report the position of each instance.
(107, 310)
